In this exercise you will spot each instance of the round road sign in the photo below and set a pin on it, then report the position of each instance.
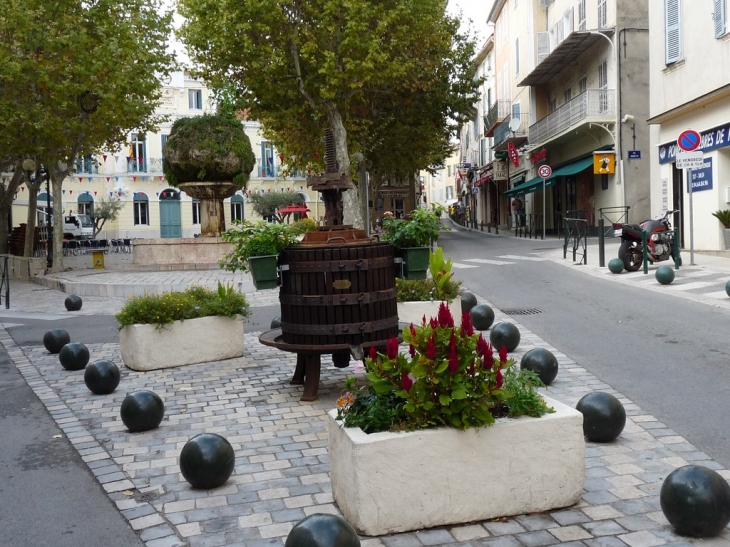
(544, 171)
(689, 140)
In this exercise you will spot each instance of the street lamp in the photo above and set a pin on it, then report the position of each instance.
(49, 227)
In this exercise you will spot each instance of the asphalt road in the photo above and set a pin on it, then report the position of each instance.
(669, 355)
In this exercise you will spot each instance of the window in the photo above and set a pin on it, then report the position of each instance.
(602, 14)
(237, 207)
(136, 154)
(86, 164)
(196, 211)
(581, 14)
(718, 16)
(603, 86)
(85, 204)
(195, 99)
(163, 142)
(517, 55)
(582, 85)
(141, 209)
(399, 208)
(673, 37)
(516, 111)
(267, 160)
(567, 95)
(553, 105)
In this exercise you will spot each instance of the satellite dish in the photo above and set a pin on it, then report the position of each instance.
(514, 124)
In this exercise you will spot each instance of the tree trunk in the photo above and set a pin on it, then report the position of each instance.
(30, 242)
(351, 201)
(56, 185)
(7, 196)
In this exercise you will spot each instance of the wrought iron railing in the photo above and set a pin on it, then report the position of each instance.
(594, 103)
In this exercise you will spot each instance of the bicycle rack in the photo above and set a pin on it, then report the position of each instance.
(576, 232)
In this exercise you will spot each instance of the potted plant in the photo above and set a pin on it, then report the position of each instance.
(412, 237)
(257, 248)
(417, 436)
(439, 286)
(182, 327)
(210, 158)
(724, 218)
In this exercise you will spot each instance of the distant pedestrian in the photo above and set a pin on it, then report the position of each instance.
(517, 210)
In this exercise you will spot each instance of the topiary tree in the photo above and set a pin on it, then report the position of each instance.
(210, 158)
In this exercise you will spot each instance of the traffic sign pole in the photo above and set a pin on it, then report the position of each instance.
(689, 140)
(544, 171)
(691, 221)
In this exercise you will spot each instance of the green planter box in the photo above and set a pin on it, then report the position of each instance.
(263, 271)
(416, 262)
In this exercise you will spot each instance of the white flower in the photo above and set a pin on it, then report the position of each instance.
(359, 366)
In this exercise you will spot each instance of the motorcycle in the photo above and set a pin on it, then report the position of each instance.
(659, 240)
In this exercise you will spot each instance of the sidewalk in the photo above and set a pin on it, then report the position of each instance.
(282, 464)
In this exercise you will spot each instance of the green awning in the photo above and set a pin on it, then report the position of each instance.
(573, 168)
(529, 187)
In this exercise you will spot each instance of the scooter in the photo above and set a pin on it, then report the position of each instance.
(659, 241)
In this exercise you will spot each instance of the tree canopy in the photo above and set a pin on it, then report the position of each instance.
(391, 78)
(75, 78)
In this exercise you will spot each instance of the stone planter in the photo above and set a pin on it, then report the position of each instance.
(146, 347)
(726, 238)
(395, 482)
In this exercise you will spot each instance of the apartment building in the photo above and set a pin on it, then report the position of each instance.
(153, 208)
(690, 89)
(576, 69)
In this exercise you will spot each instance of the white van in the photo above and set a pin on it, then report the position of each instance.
(77, 226)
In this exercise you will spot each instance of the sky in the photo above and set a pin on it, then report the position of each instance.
(477, 10)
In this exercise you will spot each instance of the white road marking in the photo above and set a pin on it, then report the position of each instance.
(485, 261)
(458, 266)
(690, 286)
(516, 257)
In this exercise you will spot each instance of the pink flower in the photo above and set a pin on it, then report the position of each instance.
(467, 328)
(453, 357)
(431, 348)
(373, 354)
(406, 382)
(485, 350)
(391, 347)
(503, 355)
(445, 319)
(358, 367)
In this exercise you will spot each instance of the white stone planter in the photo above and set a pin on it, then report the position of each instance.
(145, 347)
(395, 482)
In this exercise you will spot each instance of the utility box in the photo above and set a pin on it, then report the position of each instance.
(98, 259)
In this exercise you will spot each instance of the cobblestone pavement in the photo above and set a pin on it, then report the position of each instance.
(281, 472)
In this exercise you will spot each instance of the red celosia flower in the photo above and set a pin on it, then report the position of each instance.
(391, 347)
(406, 382)
(446, 320)
(472, 367)
(423, 320)
(413, 330)
(503, 355)
(434, 323)
(485, 350)
(373, 353)
(453, 357)
(467, 328)
(499, 378)
(412, 350)
(431, 348)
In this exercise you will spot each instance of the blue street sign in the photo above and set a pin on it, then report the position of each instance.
(634, 154)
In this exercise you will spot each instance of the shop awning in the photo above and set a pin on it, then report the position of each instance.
(529, 187)
(573, 168)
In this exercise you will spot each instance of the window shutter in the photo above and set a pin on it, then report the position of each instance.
(673, 49)
(719, 17)
(543, 46)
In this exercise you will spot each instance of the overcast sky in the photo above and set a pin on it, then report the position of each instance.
(477, 10)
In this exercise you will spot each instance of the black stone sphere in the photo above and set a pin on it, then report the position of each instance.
(542, 362)
(322, 530)
(505, 334)
(696, 501)
(73, 303)
(276, 322)
(616, 265)
(604, 416)
(142, 410)
(468, 301)
(664, 274)
(74, 356)
(482, 316)
(55, 339)
(207, 461)
(101, 377)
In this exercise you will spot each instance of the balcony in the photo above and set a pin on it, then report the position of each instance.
(140, 165)
(504, 134)
(591, 106)
(497, 113)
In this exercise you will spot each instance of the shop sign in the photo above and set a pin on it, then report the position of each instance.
(712, 139)
(500, 170)
(538, 156)
(604, 163)
(702, 177)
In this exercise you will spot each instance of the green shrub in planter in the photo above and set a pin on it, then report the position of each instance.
(161, 309)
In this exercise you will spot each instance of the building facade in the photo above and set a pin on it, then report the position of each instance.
(690, 89)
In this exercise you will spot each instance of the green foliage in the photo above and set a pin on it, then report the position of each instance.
(208, 148)
(260, 239)
(723, 216)
(106, 209)
(161, 309)
(418, 230)
(265, 205)
(525, 400)
(439, 286)
(450, 377)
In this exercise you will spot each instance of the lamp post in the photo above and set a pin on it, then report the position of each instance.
(49, 226)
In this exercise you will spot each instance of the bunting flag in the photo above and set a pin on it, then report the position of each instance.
(104, 156)
(89, 179)
(158, 195)
(281, 158)
(116, 178)
(22, 189)
(107, 179)
(288, 189)
(161, 177)
(144, 179)
(134, 178)
(64, 191)
(70, 192)
(81, 180)
(87, 193)
(119, 194)
(111, 194)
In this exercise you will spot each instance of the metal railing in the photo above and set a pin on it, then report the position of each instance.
(595, 103)
(614, 215)
(576, 233)
(497, 112)
(502, 132)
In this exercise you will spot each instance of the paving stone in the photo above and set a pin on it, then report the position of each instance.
(536, 539)
(435, 537)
